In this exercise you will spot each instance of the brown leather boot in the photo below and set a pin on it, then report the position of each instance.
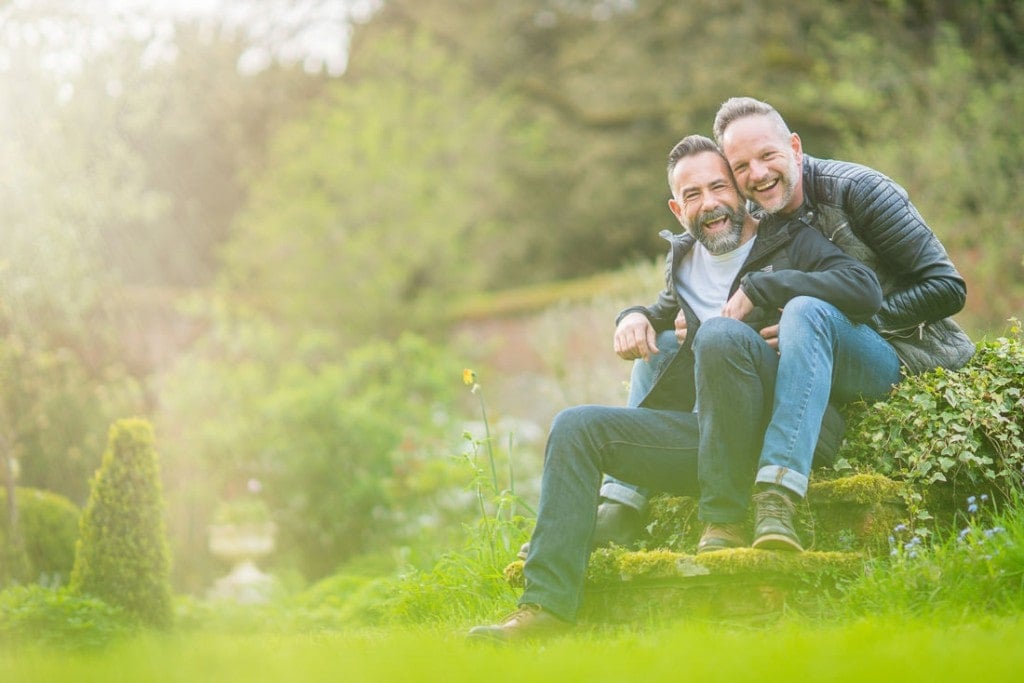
(529, 622)
(721, 536)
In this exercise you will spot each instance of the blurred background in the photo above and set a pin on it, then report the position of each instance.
(280, 229)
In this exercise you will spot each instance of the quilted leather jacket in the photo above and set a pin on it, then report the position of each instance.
(870, 217)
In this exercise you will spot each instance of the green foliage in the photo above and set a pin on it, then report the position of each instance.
(672, 523)
(349, 452)
(392, 180)
(341, 601)
(979, 569)
(470, 582)
(122, 554)
(58, 619)
(948, 430)
(51, 404)
(49, 528)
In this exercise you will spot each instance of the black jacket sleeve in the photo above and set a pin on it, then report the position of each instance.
(819, 269)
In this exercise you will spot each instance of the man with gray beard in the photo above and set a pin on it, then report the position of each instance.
(727, 278)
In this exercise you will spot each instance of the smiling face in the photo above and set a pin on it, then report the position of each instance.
(766, 163)
(706, 203)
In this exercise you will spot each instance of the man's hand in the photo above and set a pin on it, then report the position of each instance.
(738, 305)
(635, 337)
(771, 335)
(681, 327)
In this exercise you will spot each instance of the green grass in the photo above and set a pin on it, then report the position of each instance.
(865, 650)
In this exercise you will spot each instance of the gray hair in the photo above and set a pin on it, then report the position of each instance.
(736, 108)
(689, 146)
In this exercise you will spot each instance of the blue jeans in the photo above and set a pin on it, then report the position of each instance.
(653, 448)
(824, 345)
(644, 379)
(822, 357)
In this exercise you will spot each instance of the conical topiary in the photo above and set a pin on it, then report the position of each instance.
(122, 555)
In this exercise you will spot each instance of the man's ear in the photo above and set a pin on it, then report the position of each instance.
(797, 146)
(676, 208)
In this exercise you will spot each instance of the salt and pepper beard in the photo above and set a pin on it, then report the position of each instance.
(727, 241)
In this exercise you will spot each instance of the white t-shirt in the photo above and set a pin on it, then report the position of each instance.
(703, 279)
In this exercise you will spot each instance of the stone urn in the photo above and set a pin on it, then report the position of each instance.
(242, 543)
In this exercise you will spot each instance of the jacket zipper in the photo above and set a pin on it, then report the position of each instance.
(906, 332)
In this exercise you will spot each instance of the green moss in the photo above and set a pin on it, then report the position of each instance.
(750, 561)
(616, 566)
(863, 489)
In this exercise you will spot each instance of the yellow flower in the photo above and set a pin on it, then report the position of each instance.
(468, 377)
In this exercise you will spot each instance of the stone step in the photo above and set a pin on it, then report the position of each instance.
(634, 586)
(844, 522)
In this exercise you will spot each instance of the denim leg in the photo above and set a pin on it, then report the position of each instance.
(656, 449)
(821, 355)
(735, 372)
(654, 384)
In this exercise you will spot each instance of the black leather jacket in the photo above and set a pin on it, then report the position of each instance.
(870, 217)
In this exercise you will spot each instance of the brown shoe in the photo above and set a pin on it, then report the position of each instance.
(529, 622)
(721, 536)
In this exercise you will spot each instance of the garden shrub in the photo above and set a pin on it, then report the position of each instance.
(57, 618)
(122, 555)
(948, 434)
(49, 530)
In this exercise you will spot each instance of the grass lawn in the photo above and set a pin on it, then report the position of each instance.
(870, 650)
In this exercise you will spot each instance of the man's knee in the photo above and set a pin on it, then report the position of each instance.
(569, 421)
(805, 318)
(721, 337)
(802, 309)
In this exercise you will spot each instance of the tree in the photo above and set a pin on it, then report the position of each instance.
(122, 555)
(375, 209)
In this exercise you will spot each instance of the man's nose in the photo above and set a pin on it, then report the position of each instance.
(758, 170)
(708, 201)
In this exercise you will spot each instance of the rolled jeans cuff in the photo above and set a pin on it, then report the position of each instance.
(783, 476)
(625, 495)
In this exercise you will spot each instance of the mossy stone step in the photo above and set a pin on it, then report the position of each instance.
(624, 586)
(844, 522)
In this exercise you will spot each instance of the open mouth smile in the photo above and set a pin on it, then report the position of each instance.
(715, 224)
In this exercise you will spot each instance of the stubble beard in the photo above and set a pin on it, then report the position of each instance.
(788, 182)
